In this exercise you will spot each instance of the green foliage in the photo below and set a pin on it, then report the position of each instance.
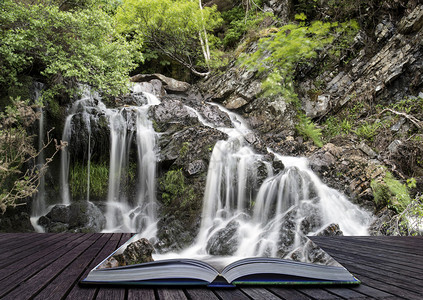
(16, 150)
(368, 130)
(292, 44)
(389, 191)
(308, 129)
(239, 23)
(184, 149)
(99, 175)
(334, 127)
(63, 46)
(175, 190)
(170, 27)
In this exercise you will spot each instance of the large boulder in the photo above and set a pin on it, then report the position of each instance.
(225, 241)
(81, 216)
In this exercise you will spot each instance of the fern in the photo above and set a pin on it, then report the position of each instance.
(308, 129)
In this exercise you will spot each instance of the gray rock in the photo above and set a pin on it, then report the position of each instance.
(225, 241)
(366, 149)
(80, 216)
(59, 213)
(413, 22)
(135, 253)
(86, 217)
(330, 230)
(393, 147)
(196, 167)
(169, 84)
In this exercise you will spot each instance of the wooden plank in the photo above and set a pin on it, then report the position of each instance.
(33, 267)
(33, 259)
(80, 292)
(37, 282)
(376, 255)
(414, 276)
(8, 238)
(259, 293)
(372, 292)
(111, 294)
(230, 293)
(288, 293)
(406, 245)
(317, 293)
(200, 294)
(18, 241)
(59, 287)
(385, 284)
(30, 247)
(346, 293)
(122, 238)
(141, 293)
(171, 294)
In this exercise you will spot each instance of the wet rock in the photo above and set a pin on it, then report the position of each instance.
(196, 167)
(175, 232)
(322, 161)
(59, 213)
(214, 115)
(225, 241)
(86, 217)
(189, 145)
(80, 216)
(135, 253)
(235, 102)
(330, 230)
(314, 254)
(169, 112)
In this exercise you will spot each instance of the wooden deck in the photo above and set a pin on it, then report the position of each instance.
(49, 266)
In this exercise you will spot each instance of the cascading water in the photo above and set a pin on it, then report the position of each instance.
(39, 203)
(125, 124)
(243, 217)
(120, 215)
(249, 208)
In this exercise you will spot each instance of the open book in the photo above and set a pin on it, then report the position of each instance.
(246, 271)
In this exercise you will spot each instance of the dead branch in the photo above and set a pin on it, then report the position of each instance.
(411, 118)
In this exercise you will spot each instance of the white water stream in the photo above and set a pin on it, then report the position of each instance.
(247, 209)
(245, 219)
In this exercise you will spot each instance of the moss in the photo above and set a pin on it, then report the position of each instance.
(176, 193)
(184, 149)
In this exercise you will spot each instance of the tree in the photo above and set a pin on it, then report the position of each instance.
(19, 176)
(65, 47)
(179, 29)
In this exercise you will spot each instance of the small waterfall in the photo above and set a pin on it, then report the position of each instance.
(123, 212)
(243, 217)
(88, 104)
(39, 203)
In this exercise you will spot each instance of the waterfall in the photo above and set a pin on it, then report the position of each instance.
(243, 217)
(250, 207)
(128, 125)
(39, 202)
